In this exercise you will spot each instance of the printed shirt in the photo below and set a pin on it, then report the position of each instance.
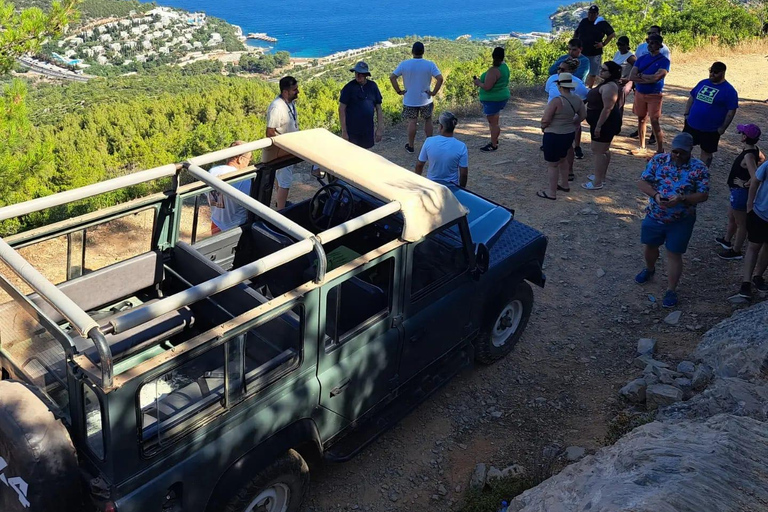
(668, 180)
(417, 78)
(711, 103)
(760, 206)
(361, 101)
(445, 155)
(581, 72)
(225, 212)
(648, 65)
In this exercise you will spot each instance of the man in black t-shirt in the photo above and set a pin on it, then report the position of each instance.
(595, 33)
(358, 102)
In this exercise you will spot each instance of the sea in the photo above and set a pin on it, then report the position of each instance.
(315, 28)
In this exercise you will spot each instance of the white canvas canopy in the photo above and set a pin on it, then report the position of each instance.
(425, 205)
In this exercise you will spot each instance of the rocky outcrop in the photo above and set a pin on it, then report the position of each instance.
(709, 452)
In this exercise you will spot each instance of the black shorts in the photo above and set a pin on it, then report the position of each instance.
(757, 229)
(707, 140)
(610, 129)
(556, 145)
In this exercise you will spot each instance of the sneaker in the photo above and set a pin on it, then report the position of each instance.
(759, 283)
(644, 276)
(578, 153)
(730, 254)
(745, 291)
(489, 147)
(409, 148)
(635, 134)
(670, 299)
(725, 244)
(571, 177)
(652, 140)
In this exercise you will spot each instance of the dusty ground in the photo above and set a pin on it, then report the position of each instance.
(561, 382)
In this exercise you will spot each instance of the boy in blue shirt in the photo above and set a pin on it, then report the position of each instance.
(710, 110)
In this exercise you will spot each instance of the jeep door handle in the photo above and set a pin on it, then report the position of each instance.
(341, 387)
(417, 335)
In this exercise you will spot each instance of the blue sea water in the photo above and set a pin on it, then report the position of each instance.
(313, 28)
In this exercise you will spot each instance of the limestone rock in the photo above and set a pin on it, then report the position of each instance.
(478, 477)
(494, 474)
(701, 377)
(646, 346)
(660, 395)
(643, 361)
(686, 368)
(730, 395)
(634, 391)
(673, 318)
(513, 471)
(574, 453)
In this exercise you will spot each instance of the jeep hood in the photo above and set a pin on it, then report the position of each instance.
(487, 220)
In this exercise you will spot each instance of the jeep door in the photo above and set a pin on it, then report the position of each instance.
(359, 342)
(438, 297)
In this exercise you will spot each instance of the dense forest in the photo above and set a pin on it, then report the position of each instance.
(59, 136)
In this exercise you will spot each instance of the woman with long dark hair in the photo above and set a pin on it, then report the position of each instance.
(605, 110)
(494, 94)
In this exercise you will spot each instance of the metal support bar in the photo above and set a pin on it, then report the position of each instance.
(358, 222)
(42, 203)
(147, 312)
(263, 211)
(105, 356)
(225, 154)
(322, 261)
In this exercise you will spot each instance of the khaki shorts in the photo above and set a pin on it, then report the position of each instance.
(648, 105)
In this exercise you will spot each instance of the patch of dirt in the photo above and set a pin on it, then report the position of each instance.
(561, 382)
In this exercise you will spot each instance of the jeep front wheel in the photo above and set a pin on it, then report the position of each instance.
(279, 488)
(505, 324)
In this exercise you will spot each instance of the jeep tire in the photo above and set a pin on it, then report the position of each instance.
(280, 487)
(506, 320)
(38, 463)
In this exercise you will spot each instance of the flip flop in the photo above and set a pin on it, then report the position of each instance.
(543, 194)
(563, 189)
(590, 185)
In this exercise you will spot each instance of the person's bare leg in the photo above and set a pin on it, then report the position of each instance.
(762, 262)
(641, 123)
(493, 125)
(428, 127)
(590, 81)
(730, 230)
(577, 137)
(651, 254)
(552, 173)
(411, 132)
(602, 159)
(675, 270)
(750, 261)
(741, 230)
(282, 197)
(569, 158)
(656, 127)
(563, 166)
(706, 158)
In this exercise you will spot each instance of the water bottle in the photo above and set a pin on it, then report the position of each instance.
(504, 506)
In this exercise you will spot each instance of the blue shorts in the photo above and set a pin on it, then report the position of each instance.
(491, 108)
(739, 198)
(674, 235)
(556, 145)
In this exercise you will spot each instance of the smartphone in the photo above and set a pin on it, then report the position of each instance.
(663, 199)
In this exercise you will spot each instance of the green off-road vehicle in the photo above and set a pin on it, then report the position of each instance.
(169, 369)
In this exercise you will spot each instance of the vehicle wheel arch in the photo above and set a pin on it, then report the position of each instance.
(301, 436)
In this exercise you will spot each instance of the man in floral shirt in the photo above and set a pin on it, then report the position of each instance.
(675, 184)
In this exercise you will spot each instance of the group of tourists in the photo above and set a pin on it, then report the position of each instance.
(582, 87)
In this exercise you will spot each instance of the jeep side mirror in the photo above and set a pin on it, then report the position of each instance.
(482, 259)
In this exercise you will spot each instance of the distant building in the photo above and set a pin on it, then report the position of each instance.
(136, 31)
(146, 45)
(167, 33)
(101, 59)
(115, 47)
(129, 44)
(197, 44)
(164, 50)
(125, 23)
(141, 58)
(105, 38)
(89, 34)
(87, 52)
(101, 29)
(98, 49)
(124, 34)
(76, 41)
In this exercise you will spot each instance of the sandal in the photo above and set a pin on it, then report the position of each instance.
(563, 189)
(590, 185)
(543, 194)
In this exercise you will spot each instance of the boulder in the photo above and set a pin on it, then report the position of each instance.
(574, 453)
(646, 346)
(719, 464)
(660, 395)
(686, 368)
(513, 471)
(634, 391)
(643, 361)
(479, 475)
(701, 377)
(730, 395)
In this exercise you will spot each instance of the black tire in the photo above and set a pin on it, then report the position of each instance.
(39, 462)
(288, 473)
(497, 340)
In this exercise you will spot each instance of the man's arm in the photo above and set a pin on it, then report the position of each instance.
(271, 132)
(688, 105)
(553, 67)
(438, 85)
(379, 123)
(634, 74)
(420, 167)
(727, 122)
(608, 39)
(463, 174)
(343, 120)
(396, 86)
(646, 188)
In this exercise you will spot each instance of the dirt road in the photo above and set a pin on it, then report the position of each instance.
(560, 384)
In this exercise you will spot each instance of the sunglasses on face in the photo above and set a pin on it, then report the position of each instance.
(679, 152)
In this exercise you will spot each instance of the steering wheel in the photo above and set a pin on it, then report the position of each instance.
(331, 206)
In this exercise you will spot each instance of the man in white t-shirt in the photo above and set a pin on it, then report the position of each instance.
(417, 92)
(448, 158)
(225, 212)
(642, 48)
(282, 118)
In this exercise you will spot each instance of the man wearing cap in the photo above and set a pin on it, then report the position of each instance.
(675, 183)
(648, 75)
(642, 48)
(447, 156)
(710, 110)
(359, 99)
(417, 93)
(595, 33)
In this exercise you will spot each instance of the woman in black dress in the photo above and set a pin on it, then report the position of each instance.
(605, 110)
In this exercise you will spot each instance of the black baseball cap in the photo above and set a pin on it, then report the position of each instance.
(418, 48)
(594, 8)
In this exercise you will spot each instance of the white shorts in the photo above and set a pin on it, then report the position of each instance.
(284, 177)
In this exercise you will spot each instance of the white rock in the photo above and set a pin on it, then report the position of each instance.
(673, 318)
(574, 453)
(646, 346)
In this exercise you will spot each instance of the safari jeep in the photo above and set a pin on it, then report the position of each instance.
(168, 369)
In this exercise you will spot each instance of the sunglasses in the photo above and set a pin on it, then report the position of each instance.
(679, 152)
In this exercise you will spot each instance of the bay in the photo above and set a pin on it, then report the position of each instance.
(320, 27)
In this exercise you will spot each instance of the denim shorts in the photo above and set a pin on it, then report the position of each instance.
(739, 198)
(491, 108)
(595, 62)
(674, 235)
